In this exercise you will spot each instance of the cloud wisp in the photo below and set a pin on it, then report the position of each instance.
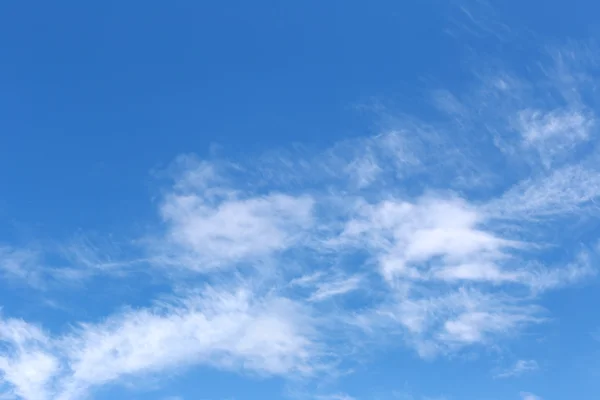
(519, 368)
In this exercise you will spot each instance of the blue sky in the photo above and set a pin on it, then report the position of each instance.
(333, 200)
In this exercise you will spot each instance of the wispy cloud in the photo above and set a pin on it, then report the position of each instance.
(337, 396)
(20, 264)
(224, 328)
(519, 368)
(334, 288)
(566, 191)
(555, 132)
(529, 396)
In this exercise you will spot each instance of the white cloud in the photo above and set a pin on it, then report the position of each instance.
(234, 229)
(27, 266)
(552, 134)
(20, 264)
(324, 286)
(26, 364)
(418, 245)
(93, 255)
(537, 126)
(365, 170)
(519, 368)
(564, 191)
(326, 290)
(458, 318)
(407, 236)
(226, 329)
(529, 396)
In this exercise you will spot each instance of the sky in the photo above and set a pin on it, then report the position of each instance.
(311, 200)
